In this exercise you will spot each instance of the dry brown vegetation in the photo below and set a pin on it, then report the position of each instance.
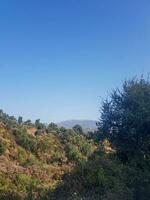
(43, 169)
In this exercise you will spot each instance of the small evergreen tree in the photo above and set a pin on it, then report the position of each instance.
(78, 129)
(39, 125)
(20, 120)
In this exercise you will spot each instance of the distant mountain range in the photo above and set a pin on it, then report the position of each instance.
(86, 124)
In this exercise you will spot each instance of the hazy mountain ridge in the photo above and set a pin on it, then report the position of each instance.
(86, 124)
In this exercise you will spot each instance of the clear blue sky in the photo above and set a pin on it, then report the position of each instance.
(57, 57)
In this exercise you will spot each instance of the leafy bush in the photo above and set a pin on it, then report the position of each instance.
(66, 135)
(72, 153)
(98, 178)
(22, 181)
(52, 127)
(10, 121)
(26, 141)
(10, 196)
(31, 160)
(39, 125)
(78, 129)
(43, 145)
(2, 147)
(56, 157)
(86, 149)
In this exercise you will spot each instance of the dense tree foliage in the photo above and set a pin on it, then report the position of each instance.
(52, 127)
(20, 120)
(25, 140)
(78, 129)
(10, 121)
(125, 120)
(39, 125)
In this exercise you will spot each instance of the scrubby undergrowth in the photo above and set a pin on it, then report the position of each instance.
(32, 165)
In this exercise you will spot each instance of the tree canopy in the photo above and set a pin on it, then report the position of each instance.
(125, 119)
(78, 129)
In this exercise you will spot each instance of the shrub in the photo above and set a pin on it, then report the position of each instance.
(52, 127)
(31, 160)
(56, 157)
(26, 141)
(10, 121)
(86, 149)
(22, 181)
(10, 196)
(72, 153)
(98, 178)
(2, 147)
(78, 129)
(43, 145)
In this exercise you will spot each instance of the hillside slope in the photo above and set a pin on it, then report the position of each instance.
(30, 165)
